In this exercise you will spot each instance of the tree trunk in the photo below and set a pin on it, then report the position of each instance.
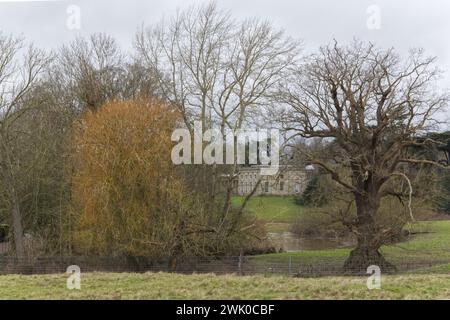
(18, 229)
(10, 184)
(369, 242)
(364, 255)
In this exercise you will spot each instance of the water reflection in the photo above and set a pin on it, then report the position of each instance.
(289, 242)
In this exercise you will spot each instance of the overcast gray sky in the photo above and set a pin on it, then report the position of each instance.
(403, 23)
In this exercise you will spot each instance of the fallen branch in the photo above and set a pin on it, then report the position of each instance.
(410, 192)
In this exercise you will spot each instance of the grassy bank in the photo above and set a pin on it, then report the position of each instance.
(272, 208)
(277, 212)
(175, 286)
(428, 243)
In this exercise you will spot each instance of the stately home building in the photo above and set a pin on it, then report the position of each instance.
(289, 181)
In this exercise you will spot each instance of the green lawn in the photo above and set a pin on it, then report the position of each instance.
(277, 212)
(431, 245)
(272, 208)
(433, 242)
(176, 286)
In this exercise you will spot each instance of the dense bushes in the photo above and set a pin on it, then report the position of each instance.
(442, 198)
(4, 232)
(128, 199)
(318, 192)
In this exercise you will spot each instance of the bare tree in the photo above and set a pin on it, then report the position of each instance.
(216, 70)
(373, 105)
(20, 68)
(92, 69)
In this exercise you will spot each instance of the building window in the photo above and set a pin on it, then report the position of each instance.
(266, 186)
(281, 186)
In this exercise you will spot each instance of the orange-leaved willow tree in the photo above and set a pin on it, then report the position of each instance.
(127, 197)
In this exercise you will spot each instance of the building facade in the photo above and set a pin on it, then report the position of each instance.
(288, 181)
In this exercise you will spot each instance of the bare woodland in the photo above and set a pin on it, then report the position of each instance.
(85, 134)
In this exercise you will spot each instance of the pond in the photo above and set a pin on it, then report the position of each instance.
(290, 242)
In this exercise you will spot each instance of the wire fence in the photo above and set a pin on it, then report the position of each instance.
(238, 265)
(4, 247)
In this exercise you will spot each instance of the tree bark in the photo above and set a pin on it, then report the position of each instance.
(369, 241)
(17, 228)
(10, 184)
(15, 213)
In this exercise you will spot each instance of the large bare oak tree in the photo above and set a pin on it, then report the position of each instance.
(373, 105)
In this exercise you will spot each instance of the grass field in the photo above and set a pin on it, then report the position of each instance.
(430, 240)
(277, 212)
(431, 244)
(175, 286)
(272, 208)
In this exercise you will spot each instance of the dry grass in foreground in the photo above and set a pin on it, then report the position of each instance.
(176, 286)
